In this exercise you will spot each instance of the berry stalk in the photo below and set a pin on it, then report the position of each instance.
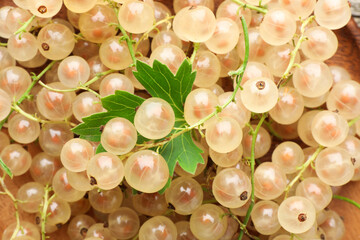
(293, 53)
(356, 204)
(254, 134)
(43, 211)
(252, 7)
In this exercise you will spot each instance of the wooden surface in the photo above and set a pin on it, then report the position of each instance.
(348, 56)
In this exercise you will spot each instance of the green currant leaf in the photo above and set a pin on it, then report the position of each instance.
(100, 149)
(6, 168)
(121, 104)
(160, 82)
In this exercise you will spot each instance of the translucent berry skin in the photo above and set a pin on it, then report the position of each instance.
(124, 223)
(150, 204)
(278, 27)
(158, 227)
(76, 154)
(278, 58)
(22, 129)
(98, 231)
(345, 98)
(319, 193)
(79, 180)
(180, 4)
(334, 167)
(4, 31)
(207, 222)
(299, 8)
(4, 140)
(223, 135)
(154, 119)
(230, 9)
(225, 37)
(296, 214)
(229, 61)
(63, 189)
(339, 74)
(136, 16)
(321, 45)
(86, 104)
(232, 188)
(259, 95)
(114, 82)
(288, 156)
(95, 23)
(60, 212)
(14, 81)
(235, 110)
(262, 144)
(107, 169)
(44, 8)
(73, 71)
(329, 129)
(265, 217)
(53, 136)
(31, 195)
(29, 229)
(170, 55)
(198, 104)
(333, 225)
(226, 159)
(146, 171)
(194, 24)
(332, 14)
(16, 158)
(6, 60)
(115, 53)
(207, 67)
(270, 181)
(53, 105)
(106, 201)
(44, 167)
(5, 104)
(258, 48)
(22, 48)
(165, 37)
(119, 136)
(183, 231)
(79, 6)
(352, 145)
(313, 78)
(15, 17)
(79, 225)
(185, 194)
(304, 128)
(55, 41)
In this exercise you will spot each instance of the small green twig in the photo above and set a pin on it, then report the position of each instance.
(254, 134)
(272, 130)
(252, 7)
(302, 170)
(242, 225)
(3, 44)
(352, 122)
(356, 204)
(22, 29)
(81, 87)
(15, 202)
(296, 49)
(43, 211)
(193, 55)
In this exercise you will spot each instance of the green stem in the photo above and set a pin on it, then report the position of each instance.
(193, 55)
(29, 116)
(302, 169)
(239, 74)
(352, 122)
(249, 6)
(296, 49)
(254, 134)
(25, 25)
(15, 202)
(356, 204)
(3, 44)
(272, 131)
(43, 213)
(28, 90)
(82, 87)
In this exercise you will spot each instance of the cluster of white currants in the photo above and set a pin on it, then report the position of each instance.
(309, 111)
